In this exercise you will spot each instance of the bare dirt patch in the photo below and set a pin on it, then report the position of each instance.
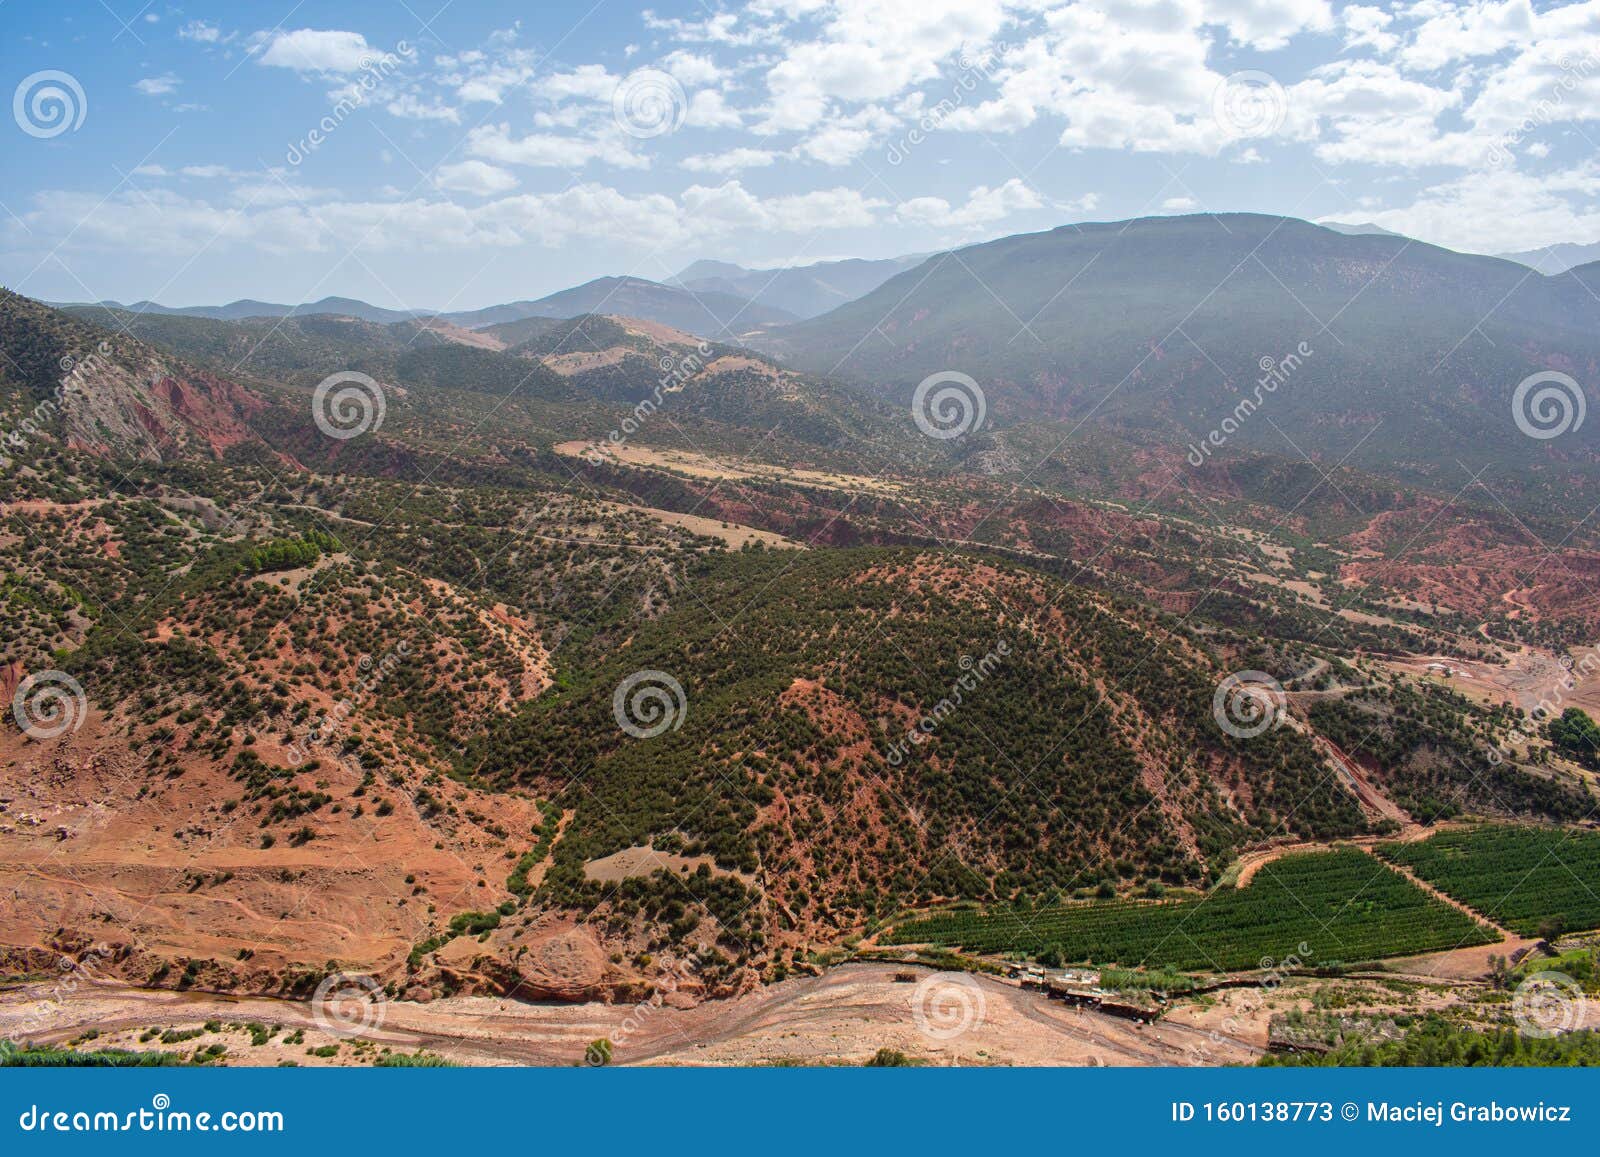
(642, 861)
(735, 534)
(703, 466)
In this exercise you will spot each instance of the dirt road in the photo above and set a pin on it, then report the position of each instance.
(841, 1017)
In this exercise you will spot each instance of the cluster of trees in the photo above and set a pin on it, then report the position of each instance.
(289, 553)
(1430, 748)
(1577, 734)
(1438, 1043)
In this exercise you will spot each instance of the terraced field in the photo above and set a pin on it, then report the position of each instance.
(1343, 906)
(1521, 877)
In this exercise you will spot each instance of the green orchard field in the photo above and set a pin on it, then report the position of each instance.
(1343, 905)
(1519, 877)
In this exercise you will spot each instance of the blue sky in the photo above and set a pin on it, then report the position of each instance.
(452, 155)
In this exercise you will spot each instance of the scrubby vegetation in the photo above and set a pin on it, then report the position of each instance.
(48, 1057)
(1439, 1043)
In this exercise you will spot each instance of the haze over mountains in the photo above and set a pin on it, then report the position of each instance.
(246, 308)
(803, 291)
(1402, 355)
(1556, 259)
(709, 298)
(1395, 352)
(707, 313)
(727, 298)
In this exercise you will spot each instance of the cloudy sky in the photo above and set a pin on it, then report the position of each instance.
(443, 155)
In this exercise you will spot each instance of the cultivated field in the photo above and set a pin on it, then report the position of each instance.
(1520, 877)
(1343, 905)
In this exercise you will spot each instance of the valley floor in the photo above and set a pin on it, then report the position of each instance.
(841, 1017)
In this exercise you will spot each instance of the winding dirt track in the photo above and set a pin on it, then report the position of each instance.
(843, 1016)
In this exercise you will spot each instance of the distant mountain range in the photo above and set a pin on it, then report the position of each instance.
(709, 299)
(1556, 259)
(239, 310)
(707, 313)
(1403, 354)
(1365, 229)
(1550, 261)
(1151, 328)
(803, 291)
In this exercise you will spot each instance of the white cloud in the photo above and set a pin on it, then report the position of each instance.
(844, 138)
(409, 106)
(550, 150)
(478, 78)
(1367, 111)
(158, 221)
(1268, 24)
(836, 145)
(732, 161)
(984, 206)
(1465, 31)
(587, 81)
(732, 208)
(1503, 211)
(693, 70)
(476, 177)
(708, 110)
(316, 50)
(164, 85)
(200, 32)
(1553, 81)
(1366, 26)
(873, 51)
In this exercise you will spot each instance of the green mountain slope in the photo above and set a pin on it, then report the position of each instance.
(1403, 354)
(1068, 739)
